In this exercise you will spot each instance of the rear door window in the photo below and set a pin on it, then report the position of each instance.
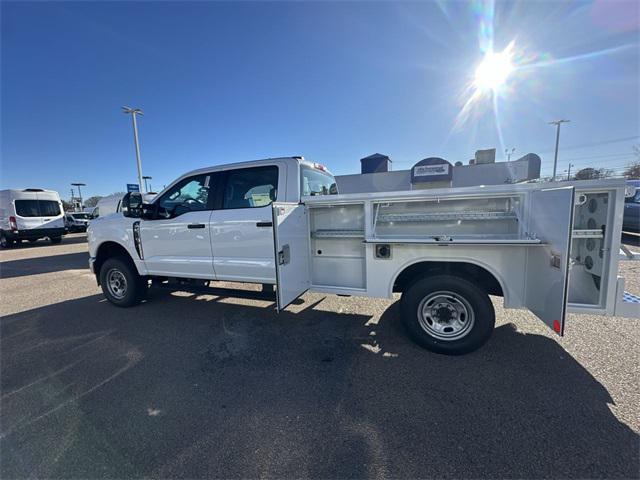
(37, 208)
(27, 208)
(49, 208)
(251, 187)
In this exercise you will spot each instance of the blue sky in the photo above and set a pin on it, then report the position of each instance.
(334, 81)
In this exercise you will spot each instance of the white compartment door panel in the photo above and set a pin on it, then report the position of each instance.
(291, 240)
(547, 268)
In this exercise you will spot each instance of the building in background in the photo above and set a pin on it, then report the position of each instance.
(376, 174)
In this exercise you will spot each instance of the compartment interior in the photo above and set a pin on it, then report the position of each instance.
(588, 249)
(337, 248)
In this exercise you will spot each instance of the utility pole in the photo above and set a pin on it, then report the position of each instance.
(508, 153)
(145, 178)
(557, 123)
(569, 171)
(79, 192)
(134, 112)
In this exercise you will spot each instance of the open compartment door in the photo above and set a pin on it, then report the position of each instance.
(291, 240)
(547, 272)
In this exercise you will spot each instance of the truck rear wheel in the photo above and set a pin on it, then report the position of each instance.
(55, 240)
(121, 283)
(447, 314)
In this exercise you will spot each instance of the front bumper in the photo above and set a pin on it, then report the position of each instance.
(34, 233)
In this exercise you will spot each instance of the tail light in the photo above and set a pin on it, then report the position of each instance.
(13, 224)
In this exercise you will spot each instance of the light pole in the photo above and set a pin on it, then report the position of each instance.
(508, 153)
(134, 112)
(569, 171)
(557, 123)
(145, 178)
(79, 192)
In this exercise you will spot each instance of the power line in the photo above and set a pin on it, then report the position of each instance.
(604, 155)
(595, 144)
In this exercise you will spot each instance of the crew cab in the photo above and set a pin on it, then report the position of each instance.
(550, 248)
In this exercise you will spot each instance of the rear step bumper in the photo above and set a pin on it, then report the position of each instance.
(33, 233)
(627, 304)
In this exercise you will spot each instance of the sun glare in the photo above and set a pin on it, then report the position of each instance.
(494, 70)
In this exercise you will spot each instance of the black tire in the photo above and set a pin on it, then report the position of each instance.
(33, 240)
(134, 288)
(56, 240)
(447, 314)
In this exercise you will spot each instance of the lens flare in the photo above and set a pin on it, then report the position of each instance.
(494, 69)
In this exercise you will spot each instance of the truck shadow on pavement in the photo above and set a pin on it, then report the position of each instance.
(194, 387)
(52, 263)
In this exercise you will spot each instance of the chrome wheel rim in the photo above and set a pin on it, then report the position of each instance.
(445, 315)
(116, 283)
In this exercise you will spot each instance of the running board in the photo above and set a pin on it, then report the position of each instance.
(216, 291)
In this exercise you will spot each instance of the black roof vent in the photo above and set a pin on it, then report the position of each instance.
(33, 190)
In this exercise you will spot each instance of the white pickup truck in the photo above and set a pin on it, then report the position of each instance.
(550, 248)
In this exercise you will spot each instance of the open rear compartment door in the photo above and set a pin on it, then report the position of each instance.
(291, 241)
(550, 219)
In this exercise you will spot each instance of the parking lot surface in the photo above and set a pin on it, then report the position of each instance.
(190, 386)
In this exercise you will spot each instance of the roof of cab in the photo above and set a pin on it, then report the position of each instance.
(250, 163)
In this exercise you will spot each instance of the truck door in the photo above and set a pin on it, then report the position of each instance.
(547, 266)
(241, 225)
(291, 241)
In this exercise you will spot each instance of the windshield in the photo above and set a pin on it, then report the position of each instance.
(315, 182)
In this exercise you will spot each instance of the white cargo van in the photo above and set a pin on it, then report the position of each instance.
(30, 214)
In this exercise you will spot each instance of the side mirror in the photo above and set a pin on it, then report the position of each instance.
(132, 205)
(149, 211)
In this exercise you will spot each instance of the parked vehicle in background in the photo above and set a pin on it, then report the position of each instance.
(77, 221)
(631, 220)
(106, 206)
(552, 248)
(30, 214)
(111, 204)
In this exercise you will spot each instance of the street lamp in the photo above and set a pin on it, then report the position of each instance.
(134, 112)
(79, 192)
(145, 178)
(508, 153)
(557, 123)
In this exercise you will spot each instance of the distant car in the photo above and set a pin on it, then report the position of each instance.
(631, 220)
(77, 221)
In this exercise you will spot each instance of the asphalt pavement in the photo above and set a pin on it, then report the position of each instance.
(193, 386)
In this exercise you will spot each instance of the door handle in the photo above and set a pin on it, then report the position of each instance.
(195, 225)
(264, 224)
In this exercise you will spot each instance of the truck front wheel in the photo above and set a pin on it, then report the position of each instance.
(447, 314)
(121, 283)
